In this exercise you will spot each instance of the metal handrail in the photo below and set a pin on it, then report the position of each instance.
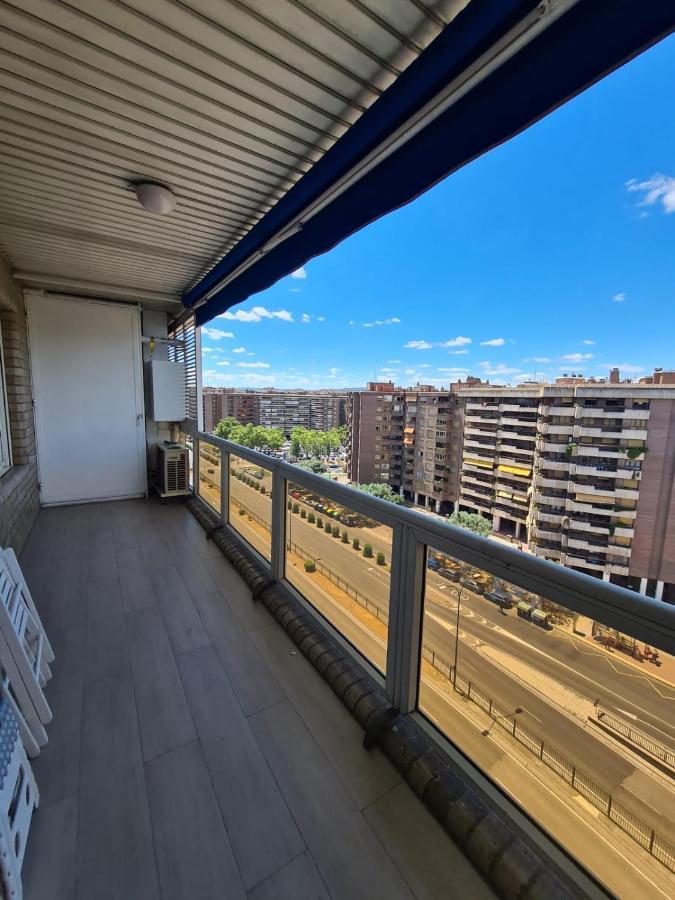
(645, 618)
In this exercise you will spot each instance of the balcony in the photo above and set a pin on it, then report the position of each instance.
(267, 692)
(557, 483)
(622, 434)
(546, 428)
(192, 741)
(556, 411)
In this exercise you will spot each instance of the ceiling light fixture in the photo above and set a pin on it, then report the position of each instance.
(155, 198)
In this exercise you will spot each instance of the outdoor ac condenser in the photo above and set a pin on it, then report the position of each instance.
(173, 467)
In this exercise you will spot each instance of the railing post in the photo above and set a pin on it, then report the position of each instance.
(278, 525)
(195, 465)
(406, 591)
(224, 486)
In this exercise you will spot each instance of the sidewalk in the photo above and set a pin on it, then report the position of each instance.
(664, 673)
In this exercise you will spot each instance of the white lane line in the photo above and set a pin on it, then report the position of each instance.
(530, 713)
(641, 799)
(595, 832)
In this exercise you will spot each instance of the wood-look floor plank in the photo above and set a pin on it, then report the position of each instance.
(254, 684)
(135, 581)
(253, 808)
(194, 856)
(366, 775)
(163, 712)
(49, 867)
(297, 879)
(57, 769)
(348, 855)
(115, 850)
(425, 855)
(181, 619)
(106, 641)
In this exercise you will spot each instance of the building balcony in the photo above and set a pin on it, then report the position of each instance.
(517, 408)
(551, 446)
(506, 449)
(479, 430)
(485, 447)
(602, 452)
(486, 418)
(577, 543)
(578, 524)
(622, 434)
(468, 490)
(549, 534)
(556, 411)
(549, 518)
(526, 424)
(541, 481)
(555, 465)
(468, 477)
(546, 428)
(609, 413)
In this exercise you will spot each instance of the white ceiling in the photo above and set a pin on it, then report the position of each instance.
(227, 102)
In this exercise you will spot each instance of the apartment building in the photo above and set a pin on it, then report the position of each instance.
(500, 431)
(319, 410)
(407, 438)
(583, 473)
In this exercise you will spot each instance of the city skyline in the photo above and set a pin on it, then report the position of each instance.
(577, 209)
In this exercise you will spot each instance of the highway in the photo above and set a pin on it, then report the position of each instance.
(551, 676)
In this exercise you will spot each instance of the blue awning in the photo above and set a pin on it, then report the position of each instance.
(588, 41)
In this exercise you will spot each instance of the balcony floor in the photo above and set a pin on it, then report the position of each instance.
(193, 752)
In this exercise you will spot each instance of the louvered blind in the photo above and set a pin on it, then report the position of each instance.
(187, 350)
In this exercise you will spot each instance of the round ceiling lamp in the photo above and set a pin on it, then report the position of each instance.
(155, 198)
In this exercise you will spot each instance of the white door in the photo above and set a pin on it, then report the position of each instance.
(88, 392)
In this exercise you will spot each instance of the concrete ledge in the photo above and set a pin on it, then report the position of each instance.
(513, 868)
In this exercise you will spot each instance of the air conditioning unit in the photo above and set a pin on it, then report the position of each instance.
(173, 470)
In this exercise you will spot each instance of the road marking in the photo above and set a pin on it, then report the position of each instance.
(561, 800)
(641, 799)
(530, 713)
(626, 713)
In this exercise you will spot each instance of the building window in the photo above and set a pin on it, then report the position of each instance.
(5, 457)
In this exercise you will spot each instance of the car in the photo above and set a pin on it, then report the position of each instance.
(450, 574)
(433, 564)
(499, 598)
(472, 586)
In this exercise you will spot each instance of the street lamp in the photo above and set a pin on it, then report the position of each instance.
(458, 591)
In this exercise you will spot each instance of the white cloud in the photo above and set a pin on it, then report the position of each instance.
(257, 314)
(539, 359)
(333, 372)
(495, 342)
(500, 369)
(352, 322)
(224, 362)
(425, 366)
(457, 352)
(577, 357)
(294, 290)
(454, 370)
(216, 334)
(305, 318)
(619, 298)
(657, 189)
(455, 342)
(395, 361)
(588, 342)
(255, 365)
(299, 273)
(208, 349)
(320, 318)
(418, 345)
(394, 320)
(239, 350)
(623, 367)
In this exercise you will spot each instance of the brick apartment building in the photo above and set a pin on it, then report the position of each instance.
(581, 472)
(319, 410)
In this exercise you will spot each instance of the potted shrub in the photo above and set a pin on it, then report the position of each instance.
(319, 522)
(356, 544)
(311, 518)
(336, 531)
(368, 551)
(310, 565)
(242, 511)
(345, 537)
(328, 528)
(380, 559)
(296, 507)
(303, 513)
(289, 505)
(263, 489)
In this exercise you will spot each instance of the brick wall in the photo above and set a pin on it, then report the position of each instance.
(19, 498)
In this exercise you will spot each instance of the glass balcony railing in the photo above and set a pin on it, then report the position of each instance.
(556, 686)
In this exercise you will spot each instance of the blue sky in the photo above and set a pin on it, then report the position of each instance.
(553, 253)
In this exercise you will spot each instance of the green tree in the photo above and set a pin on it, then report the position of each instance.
(224, 428)
(380, 559)
(368, 551)
(383, 491)
(471, 522)
(313, 465)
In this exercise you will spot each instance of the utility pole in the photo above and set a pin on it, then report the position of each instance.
(458, 591)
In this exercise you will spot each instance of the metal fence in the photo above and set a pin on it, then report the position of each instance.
(601, 799)
(637, 737)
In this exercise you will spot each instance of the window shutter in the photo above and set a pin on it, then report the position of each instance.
(187, 350)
